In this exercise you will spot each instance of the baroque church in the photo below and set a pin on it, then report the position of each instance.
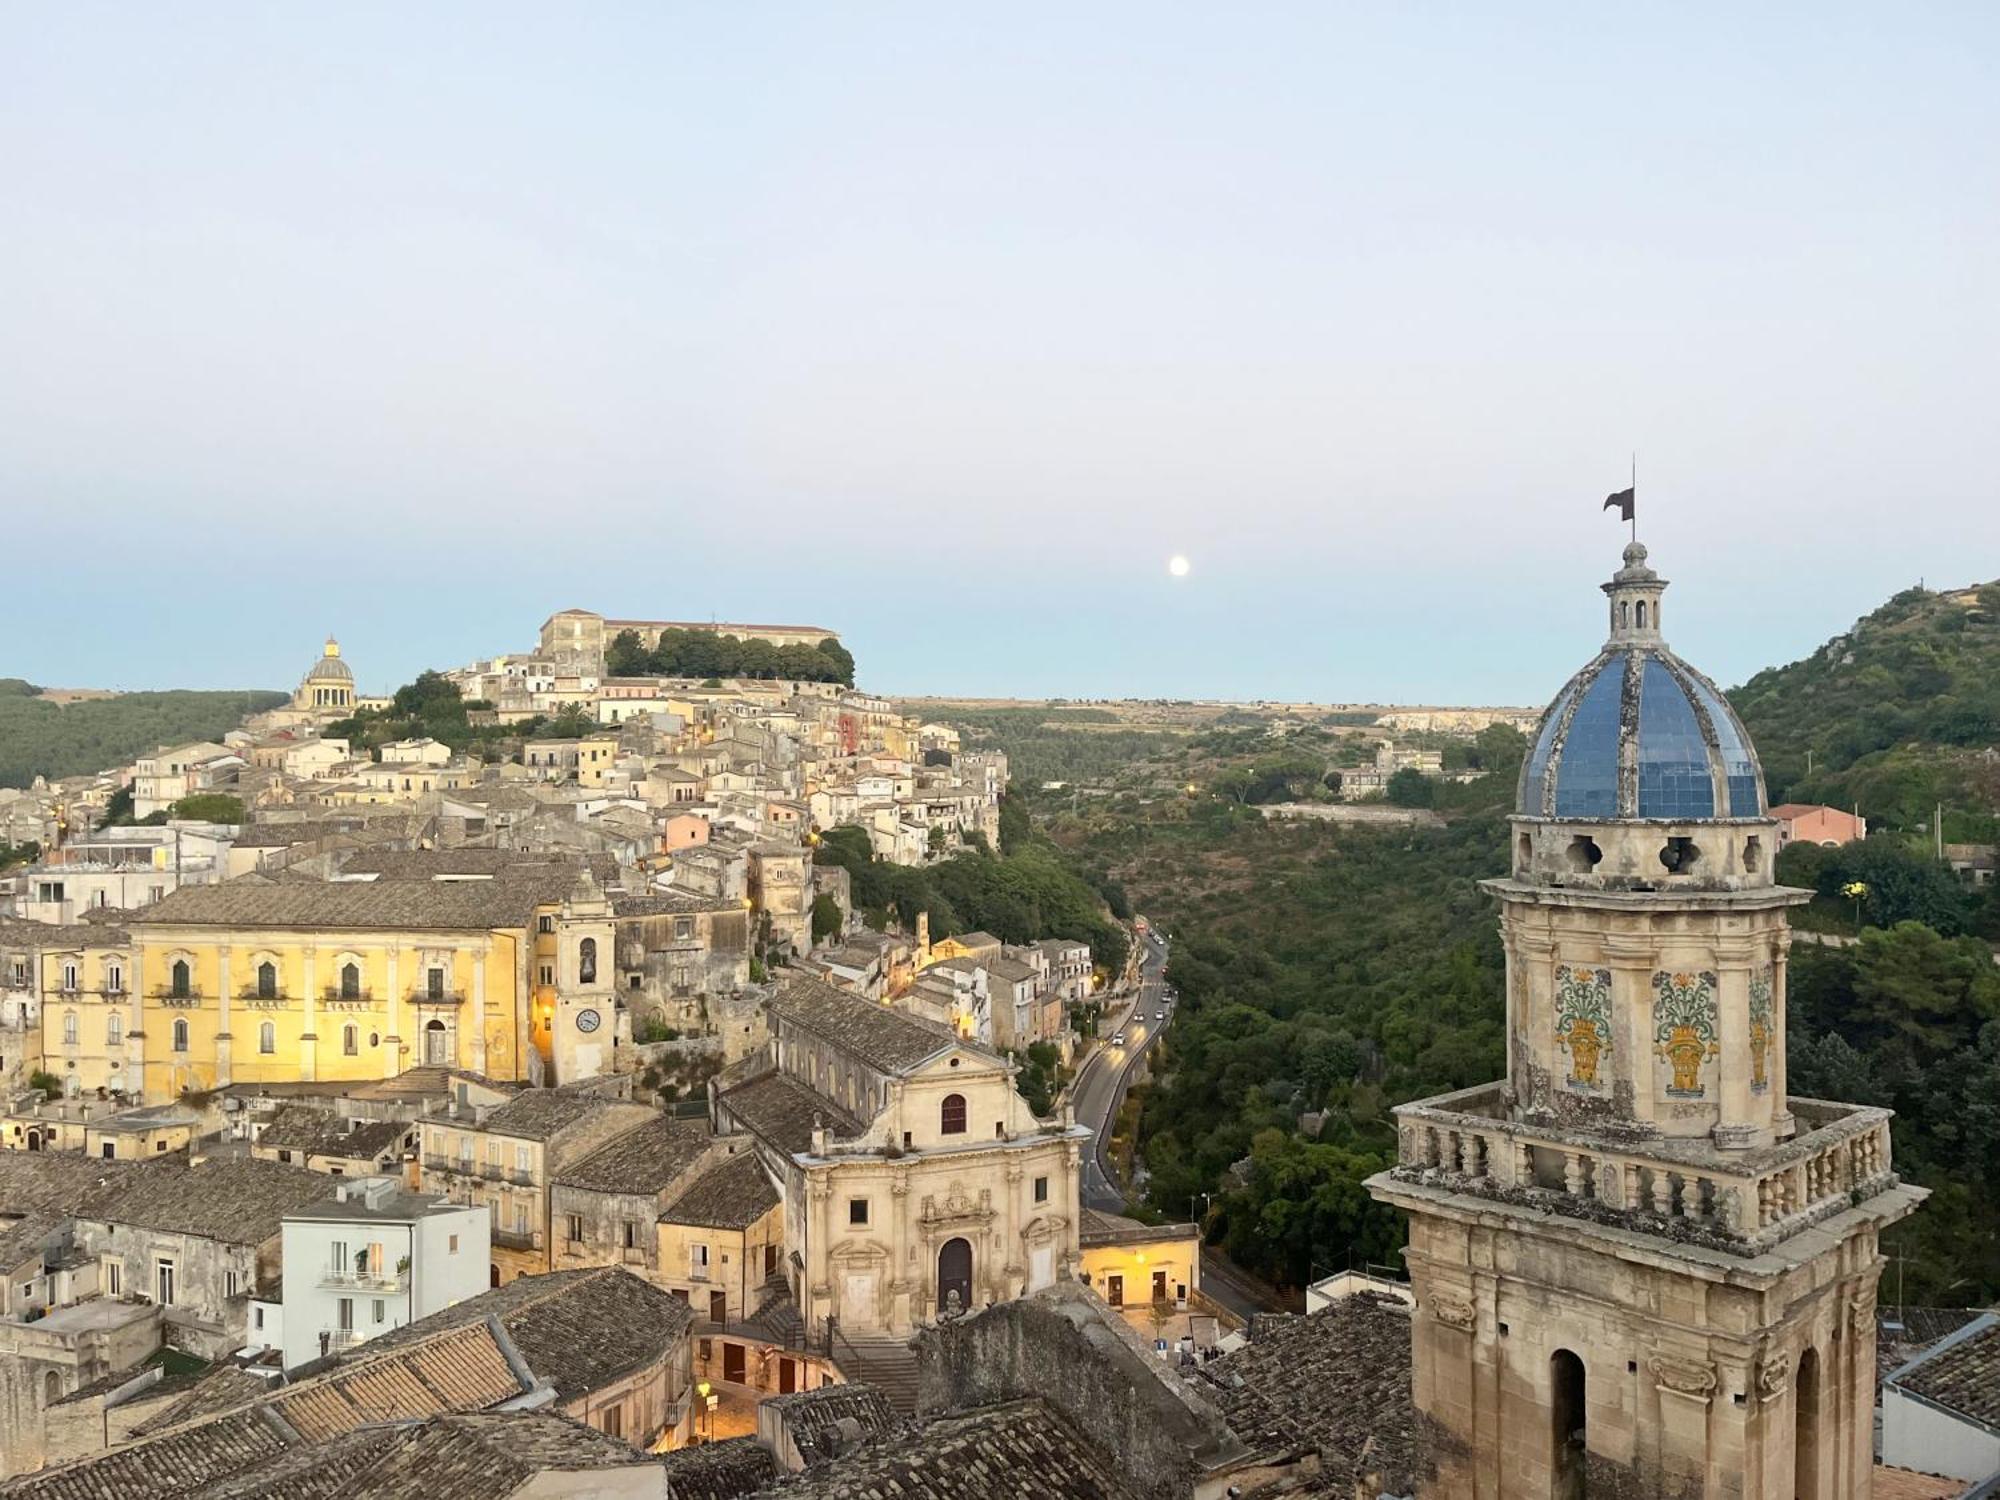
(1642, 1267)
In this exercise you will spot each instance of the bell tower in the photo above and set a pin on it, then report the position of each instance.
(1641, 1268)
(585, 1025)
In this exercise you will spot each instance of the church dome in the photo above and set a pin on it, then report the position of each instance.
(330, 668)
(1638, 733)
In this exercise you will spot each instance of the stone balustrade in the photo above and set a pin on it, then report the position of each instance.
(1743, 1201)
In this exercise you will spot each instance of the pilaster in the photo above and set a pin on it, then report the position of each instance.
(478, 1054)
(309, 1029)
(225, 1043)
(392, 1044)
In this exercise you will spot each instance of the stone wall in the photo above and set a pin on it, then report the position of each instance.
(1068, 1348)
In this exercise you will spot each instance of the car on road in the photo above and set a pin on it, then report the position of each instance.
(1118, 1040)
(1159, 1015)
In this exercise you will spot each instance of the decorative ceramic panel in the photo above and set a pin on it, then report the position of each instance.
(1583, 1025)
(1684, 1029)
(1762, 1026)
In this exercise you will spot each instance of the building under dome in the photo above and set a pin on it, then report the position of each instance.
(1643, 1268)
(329, 685)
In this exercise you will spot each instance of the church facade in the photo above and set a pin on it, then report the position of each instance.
(1642, 1267)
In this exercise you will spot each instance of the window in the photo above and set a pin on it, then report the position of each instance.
(951, 1115)
(108, 1150)
(614, 1421)
(69, 1028)
(285, 1156)
(857, 1210)
(698, 1257)
(267, 1038)
(350, 1040)
(548, 974)
(230, 1285)
(381, 1311)
(350, 981)
(524, 1158)
(1041, 1190)
(114, 980)
(434, 984)
(345, 1319)
(180, 1036)
(267, 981)
(114, 1029)
(180, 983)
(69, 978)
(257, 1318)
(114, 1278)
(163, 1282)
(451, 1245)
(545, 923)
(683, 928)
(336, 1255)
(574, 1229)
(631, 1235)
(586, 961)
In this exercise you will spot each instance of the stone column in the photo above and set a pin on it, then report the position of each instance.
(1737, 1125)
(479, 1008)
(225, 1058)
(1632, 958)
(900, 1289)
(1530, 998)
(309, 1032)
(1781, 1110)
(392, 1044)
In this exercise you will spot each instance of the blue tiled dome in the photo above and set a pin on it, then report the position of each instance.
(1638, 733)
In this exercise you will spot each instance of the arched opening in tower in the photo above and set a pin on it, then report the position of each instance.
(1566, 1413)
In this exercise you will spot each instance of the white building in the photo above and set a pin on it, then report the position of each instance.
(375, 1257)
(1941, 1410)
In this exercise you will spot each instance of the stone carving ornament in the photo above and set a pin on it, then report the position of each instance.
(1583, 1022)
(1453, 1312)
(1685, 1377)
(1684, 1028)
(1774, 1375)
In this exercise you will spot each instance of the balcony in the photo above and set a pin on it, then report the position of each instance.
(1684, 1189)
(338, 1339)
(517, 1239)
(349, 1279)
(435, 997)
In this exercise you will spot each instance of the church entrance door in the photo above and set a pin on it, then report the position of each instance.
(955, 1275)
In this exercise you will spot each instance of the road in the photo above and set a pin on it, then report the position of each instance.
(1100, 1087)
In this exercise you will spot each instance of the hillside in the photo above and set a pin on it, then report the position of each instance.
(39, 737)
(1896, 715)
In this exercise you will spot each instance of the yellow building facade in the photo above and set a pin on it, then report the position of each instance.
(341, 982)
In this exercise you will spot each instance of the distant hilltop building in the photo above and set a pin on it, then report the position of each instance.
(1457, 720)
(579, 637)
(329, 684)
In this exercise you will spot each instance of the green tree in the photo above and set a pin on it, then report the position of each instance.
(1409, 787)
(625, 656)
(209, 807)
(826, 918)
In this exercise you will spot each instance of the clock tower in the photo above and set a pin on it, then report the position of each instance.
(586, 1017)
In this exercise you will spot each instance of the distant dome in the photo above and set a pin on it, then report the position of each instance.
(330, 668)
(1638, 733)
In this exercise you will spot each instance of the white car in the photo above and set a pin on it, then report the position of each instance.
(1118, 1040)
(1159, 1015)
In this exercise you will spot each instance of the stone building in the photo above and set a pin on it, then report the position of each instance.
(677, 953)
(1642, 1267)
(606, 1206)
(915, 1178)
(508, 1157)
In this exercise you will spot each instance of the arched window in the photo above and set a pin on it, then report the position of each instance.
(951, 1115)
(1624, 614)
(181, 982)
(267, 1038)
(1641, 612)
(350, 1040)
(180, 1035)
(350, 981)
(1805, 1432)
(69, 1028)
(114, 1029)
(267, 981)
(586, 961)
(51, 1388)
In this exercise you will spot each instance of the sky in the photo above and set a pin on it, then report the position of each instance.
(948, 326)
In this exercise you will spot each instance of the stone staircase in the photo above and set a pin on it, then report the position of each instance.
(887, 1364)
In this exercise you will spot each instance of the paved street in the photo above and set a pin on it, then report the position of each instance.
(1100, 1088)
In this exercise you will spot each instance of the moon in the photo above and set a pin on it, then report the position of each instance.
(1178, 566)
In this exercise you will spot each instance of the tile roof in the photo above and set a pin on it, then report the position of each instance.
(734, 1194)
(887, 1040)
(779, 1110)
(1961, 1374)
(577, 1330)
(492, 1455)
(668, 903)
(719, 1471)
(177, 1463)
(650, 1159)
(807, 1414)
(319, 1132)
(423, 905)
(223, 1388)
(540, 1114)
(1014, 1451)
(237, 1200)
(1335, 1382)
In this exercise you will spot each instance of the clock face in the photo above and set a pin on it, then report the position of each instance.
(586, 1020)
